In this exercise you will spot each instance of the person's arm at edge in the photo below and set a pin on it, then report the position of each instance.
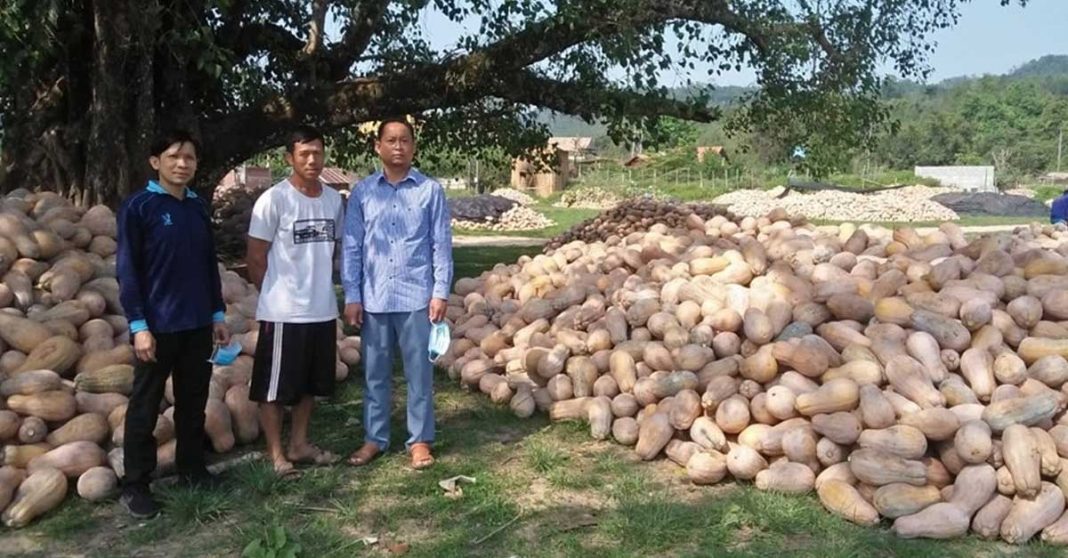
(261, 230)
(128, 267)
(352, 250)
(440, 243)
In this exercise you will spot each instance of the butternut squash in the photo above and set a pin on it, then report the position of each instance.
(901, 440)
(90, 427)
(938, 521)
(1022, 459)
(744, 463)
(841, 499)
(973, 487)
(10, 479)
(625, 431)
(786, 477)
(908, 377)
(706, 467)
(653, 434)
(42, 491)
(23, 334)
(97, 484)
(1027, 411)
(1029, 516)
(987, 523)
(217, 425)
(836, 395)
(58, 353)
(115, 378)
(72, 459)
(51, 406)
(899, 499)
(973, 442)
(878, 468)
(30, 382)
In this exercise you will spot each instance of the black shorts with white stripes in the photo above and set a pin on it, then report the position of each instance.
(294, 360)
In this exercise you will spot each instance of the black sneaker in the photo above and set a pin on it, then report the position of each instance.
(202, 480)
(138, 501)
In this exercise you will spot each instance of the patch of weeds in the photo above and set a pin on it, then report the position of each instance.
(276, 542)
(544, 458)
(74, 517)
(185, 506)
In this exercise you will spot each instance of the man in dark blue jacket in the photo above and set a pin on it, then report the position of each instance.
(170, 290)
(1058, 213)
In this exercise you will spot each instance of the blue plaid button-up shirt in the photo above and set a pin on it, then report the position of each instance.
(397, 248)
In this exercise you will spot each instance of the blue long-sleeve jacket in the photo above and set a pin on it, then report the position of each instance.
(1059, 212)
(166, 263)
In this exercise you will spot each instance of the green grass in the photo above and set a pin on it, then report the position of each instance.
(542, 490)
(471, 261)
(563, 218)
(1046, 192)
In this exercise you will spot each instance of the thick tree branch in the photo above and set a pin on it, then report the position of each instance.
(590, 102)
(262, 37)
(363, 24)
(316, 27)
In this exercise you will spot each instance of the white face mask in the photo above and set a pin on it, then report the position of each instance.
(440, 338)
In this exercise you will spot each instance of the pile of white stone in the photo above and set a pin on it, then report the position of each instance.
(912, 203)
(519, 218)
(514, 195)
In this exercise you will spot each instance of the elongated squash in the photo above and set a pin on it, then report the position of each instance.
(843, 500)
(90, 427)
(58, 353)
(42, 491)
(938, 521)
(900, 499)
(115, 378)
(52, 406)
(1028, 516)
(1022, 459)
(30, 382)
(23, 334)
(10, 479)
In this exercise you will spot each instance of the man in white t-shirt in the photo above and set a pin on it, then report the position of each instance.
(291, 249)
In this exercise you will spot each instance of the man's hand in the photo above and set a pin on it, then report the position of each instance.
(145, 346)
(354, 314)
(222, 333)
(438, 306)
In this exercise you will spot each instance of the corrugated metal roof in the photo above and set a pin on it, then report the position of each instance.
(571, 143)
(334, 175)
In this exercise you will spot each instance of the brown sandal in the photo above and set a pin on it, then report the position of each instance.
(421, 457)
(366, 454)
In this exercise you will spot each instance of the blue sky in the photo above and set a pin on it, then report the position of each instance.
(989, 39)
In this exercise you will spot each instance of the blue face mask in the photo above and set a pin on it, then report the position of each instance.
(440, 337)
(225, 356)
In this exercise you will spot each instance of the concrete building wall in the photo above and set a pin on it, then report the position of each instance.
(972, 179)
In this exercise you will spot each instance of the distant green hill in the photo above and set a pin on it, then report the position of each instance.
(1011, 121)
(1052, 65)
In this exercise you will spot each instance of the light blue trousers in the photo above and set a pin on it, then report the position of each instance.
(380, 333)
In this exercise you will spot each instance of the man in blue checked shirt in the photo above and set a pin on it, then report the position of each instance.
(396, 271)
(170, 290)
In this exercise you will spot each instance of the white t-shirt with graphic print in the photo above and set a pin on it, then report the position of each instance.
(298, 286)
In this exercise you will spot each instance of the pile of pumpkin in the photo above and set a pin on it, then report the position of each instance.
(633, 215)
(232, 211)
(66, 361)
(916, 378)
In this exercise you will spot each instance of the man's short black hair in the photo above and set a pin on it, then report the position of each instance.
(395, 120)
(303, 134)
(164, 140)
